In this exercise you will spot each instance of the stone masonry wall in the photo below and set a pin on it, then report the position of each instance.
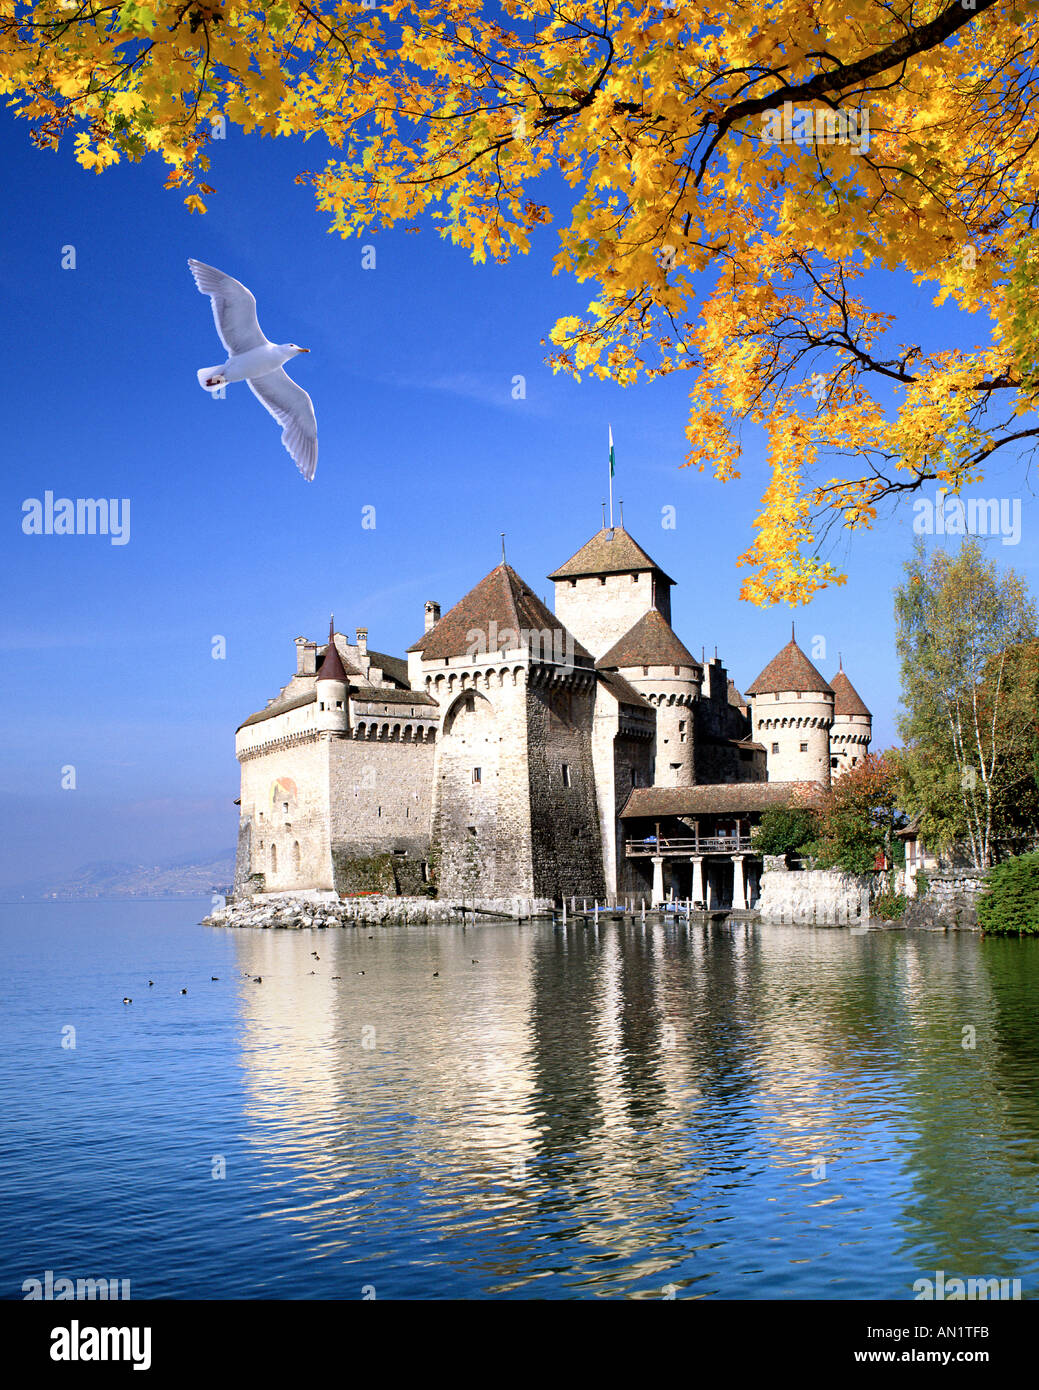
(285, 798)
(380, 795)
(481, 835)
(950, 903)
(599, 614)
(565, 832)
(819, 896)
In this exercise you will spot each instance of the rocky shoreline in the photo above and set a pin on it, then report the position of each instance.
(298, 911)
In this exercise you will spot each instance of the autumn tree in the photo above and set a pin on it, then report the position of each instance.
(859, 815)
(965, 638)
(724, 176)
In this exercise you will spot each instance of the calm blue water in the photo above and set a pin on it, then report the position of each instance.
(765, 1112)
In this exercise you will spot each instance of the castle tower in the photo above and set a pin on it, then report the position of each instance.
(333, 713)
(852, 726)
(652, 659)
(514, 796)
(792, 711)
(603, 590)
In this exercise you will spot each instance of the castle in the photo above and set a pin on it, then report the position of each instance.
(517, 753)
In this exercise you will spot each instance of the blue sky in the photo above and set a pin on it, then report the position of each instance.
(107, 649)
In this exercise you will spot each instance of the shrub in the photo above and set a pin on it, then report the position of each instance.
(922, 883)
(890, 906)
(1010, 904)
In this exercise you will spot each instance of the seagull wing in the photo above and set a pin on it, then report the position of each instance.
(294, 411)
(234, 308)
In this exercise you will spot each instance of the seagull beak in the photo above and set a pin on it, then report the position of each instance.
(303, 349)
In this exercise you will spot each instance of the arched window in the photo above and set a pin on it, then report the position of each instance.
(274, 858)
(297, 858)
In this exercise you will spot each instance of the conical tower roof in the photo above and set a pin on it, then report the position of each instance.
(332, 668)
(501, 598)
(846, 699)
(651, 642)
(789, 669)
(610, 551)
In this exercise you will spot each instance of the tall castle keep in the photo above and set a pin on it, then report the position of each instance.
(517, 753)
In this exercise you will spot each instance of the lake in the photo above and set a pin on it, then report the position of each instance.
(699, 1112)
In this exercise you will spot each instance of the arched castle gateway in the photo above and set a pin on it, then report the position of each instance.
(520, 753)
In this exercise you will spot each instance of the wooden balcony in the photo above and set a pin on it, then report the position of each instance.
(700, 844)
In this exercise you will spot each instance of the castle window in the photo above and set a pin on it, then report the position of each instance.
(777, 694)
(477, 775)
(645, 670)
(296, 856)
(775, 748)
(425, 871)
(339, 704)
(573, 583)
(799, 694)
(804, 747)
(678, 670)
(834, 762)
(285, 807)
(472, 831)
(566, 774)
(602, 579)
(274, 858)
(634, 777)
(634, 579)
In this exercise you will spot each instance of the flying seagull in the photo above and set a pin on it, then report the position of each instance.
(252, 358)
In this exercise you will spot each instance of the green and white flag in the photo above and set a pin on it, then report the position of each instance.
(611, 450)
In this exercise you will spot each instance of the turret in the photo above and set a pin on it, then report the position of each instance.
(792, 711)
(652, 659)
(332, 689)
(603, 590)
(852, 725)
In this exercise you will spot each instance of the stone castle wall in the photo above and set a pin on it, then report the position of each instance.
(565, 830)
(285, 802)
(481, 833)
(380, 802)
(599, 614)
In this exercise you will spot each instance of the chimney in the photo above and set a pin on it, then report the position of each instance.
(432, 614)
(362, 641)
(306, 657)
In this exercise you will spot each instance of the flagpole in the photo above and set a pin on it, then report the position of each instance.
(611, 476)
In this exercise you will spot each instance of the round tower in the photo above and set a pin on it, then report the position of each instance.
(332, 687)
(652, 659)
(792, 712)
(852, 725)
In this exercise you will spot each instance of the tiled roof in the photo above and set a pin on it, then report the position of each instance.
(502, 598)
(790, 669)
(389, 696)
(332, 668)
(393, 666)
(715, 797)
(847, 699)
(623, 690)
(734, 696)
(610, 551)
(279, 706)
(651, 642)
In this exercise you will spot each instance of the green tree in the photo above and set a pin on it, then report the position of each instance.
(1010, 906)
(959, 624)
(784, 829)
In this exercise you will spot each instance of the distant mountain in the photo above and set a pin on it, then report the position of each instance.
(190, 877)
